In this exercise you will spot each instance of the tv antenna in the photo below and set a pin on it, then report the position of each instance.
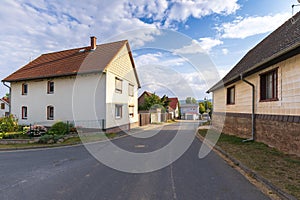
(294, 6)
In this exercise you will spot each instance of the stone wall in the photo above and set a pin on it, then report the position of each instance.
(281, 132)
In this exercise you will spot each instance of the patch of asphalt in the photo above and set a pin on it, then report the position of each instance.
(249, 174)
(56, 146)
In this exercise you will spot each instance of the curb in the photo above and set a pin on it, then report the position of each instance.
(248, 171)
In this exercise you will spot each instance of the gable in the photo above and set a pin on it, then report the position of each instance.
(123, 65)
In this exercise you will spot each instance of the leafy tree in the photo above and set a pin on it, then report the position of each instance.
(8, 124)
(201, 108)
(190, 100)
(154, 101)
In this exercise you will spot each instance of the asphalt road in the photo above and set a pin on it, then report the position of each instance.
(73, 173)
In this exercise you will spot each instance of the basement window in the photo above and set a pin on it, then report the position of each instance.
(268, 86)
(231, 95)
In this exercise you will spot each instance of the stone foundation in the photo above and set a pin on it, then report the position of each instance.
(281, 132)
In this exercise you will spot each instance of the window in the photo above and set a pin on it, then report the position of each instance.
(118, 85)
(24, 89)
(50, 87)
(231, 95)
(131, 90)
(2, 106)
(24, 112)
(50, 112)
(131, 111)
(118, 111)
(268, 86)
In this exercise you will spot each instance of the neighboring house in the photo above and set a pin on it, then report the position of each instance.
(4, 107)
(90, 85)
(189, 111)
(174, 107)
(141, 99)
(271, 70)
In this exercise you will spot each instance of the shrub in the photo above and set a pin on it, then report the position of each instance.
(15, 136)
(45, 139)
(8, 124)
(59, 128)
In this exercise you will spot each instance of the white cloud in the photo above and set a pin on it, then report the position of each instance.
(204, 45)
(245, 27)
(181, 10)
(225, 51)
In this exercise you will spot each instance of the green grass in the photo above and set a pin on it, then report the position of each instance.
(280, 169)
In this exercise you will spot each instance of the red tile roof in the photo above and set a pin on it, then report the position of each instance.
(70, 62)
(173, 102)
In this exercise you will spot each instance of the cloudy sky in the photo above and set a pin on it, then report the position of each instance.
(180, 47)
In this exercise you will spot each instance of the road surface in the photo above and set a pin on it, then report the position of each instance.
(73, 173)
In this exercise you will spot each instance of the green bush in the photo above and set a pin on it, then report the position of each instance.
(59, 128)
(15, 136)
(45, 138)
(8, 124)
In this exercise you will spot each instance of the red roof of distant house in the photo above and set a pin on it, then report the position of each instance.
(173, 102)
(5, 99)
(70, 62)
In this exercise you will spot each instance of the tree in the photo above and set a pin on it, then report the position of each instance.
(152, 101)
(190, 100)
(201, 108)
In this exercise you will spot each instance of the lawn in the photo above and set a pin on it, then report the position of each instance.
(280, 169)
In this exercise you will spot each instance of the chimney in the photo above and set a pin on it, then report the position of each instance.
(93, 43)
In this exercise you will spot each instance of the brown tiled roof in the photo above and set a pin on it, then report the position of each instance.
(69, 62)
(173, 102)
(269, 51)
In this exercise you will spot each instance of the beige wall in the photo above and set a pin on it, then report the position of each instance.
(122, 68)
(288, 92)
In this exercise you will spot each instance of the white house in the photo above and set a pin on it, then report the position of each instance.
(189, 111)
(4, 107)
(93, 85)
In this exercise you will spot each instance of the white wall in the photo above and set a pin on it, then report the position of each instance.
(6, 108)
(67, 95)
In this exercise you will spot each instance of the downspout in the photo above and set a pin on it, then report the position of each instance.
(253, 110)
(9, 96)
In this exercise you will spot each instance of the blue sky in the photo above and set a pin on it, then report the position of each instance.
(180, 47)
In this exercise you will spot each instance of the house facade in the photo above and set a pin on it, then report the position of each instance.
(4, 107)
(174, 107)
(93, 86)
(189, 111)
(260, 97)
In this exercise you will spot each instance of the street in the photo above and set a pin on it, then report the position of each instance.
(73, 173)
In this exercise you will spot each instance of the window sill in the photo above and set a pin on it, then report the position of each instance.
(230, 104)
(269, 100)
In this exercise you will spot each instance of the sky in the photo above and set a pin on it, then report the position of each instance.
(180, 47)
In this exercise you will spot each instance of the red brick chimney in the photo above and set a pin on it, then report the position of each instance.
(93, 43)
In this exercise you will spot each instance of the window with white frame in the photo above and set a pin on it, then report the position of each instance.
(24, 112)
(118, 111)
(50, 112)
(24, 89)
(130, 90)
(231, 95)
(50, 87)
(118, 85)
(268, 86)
